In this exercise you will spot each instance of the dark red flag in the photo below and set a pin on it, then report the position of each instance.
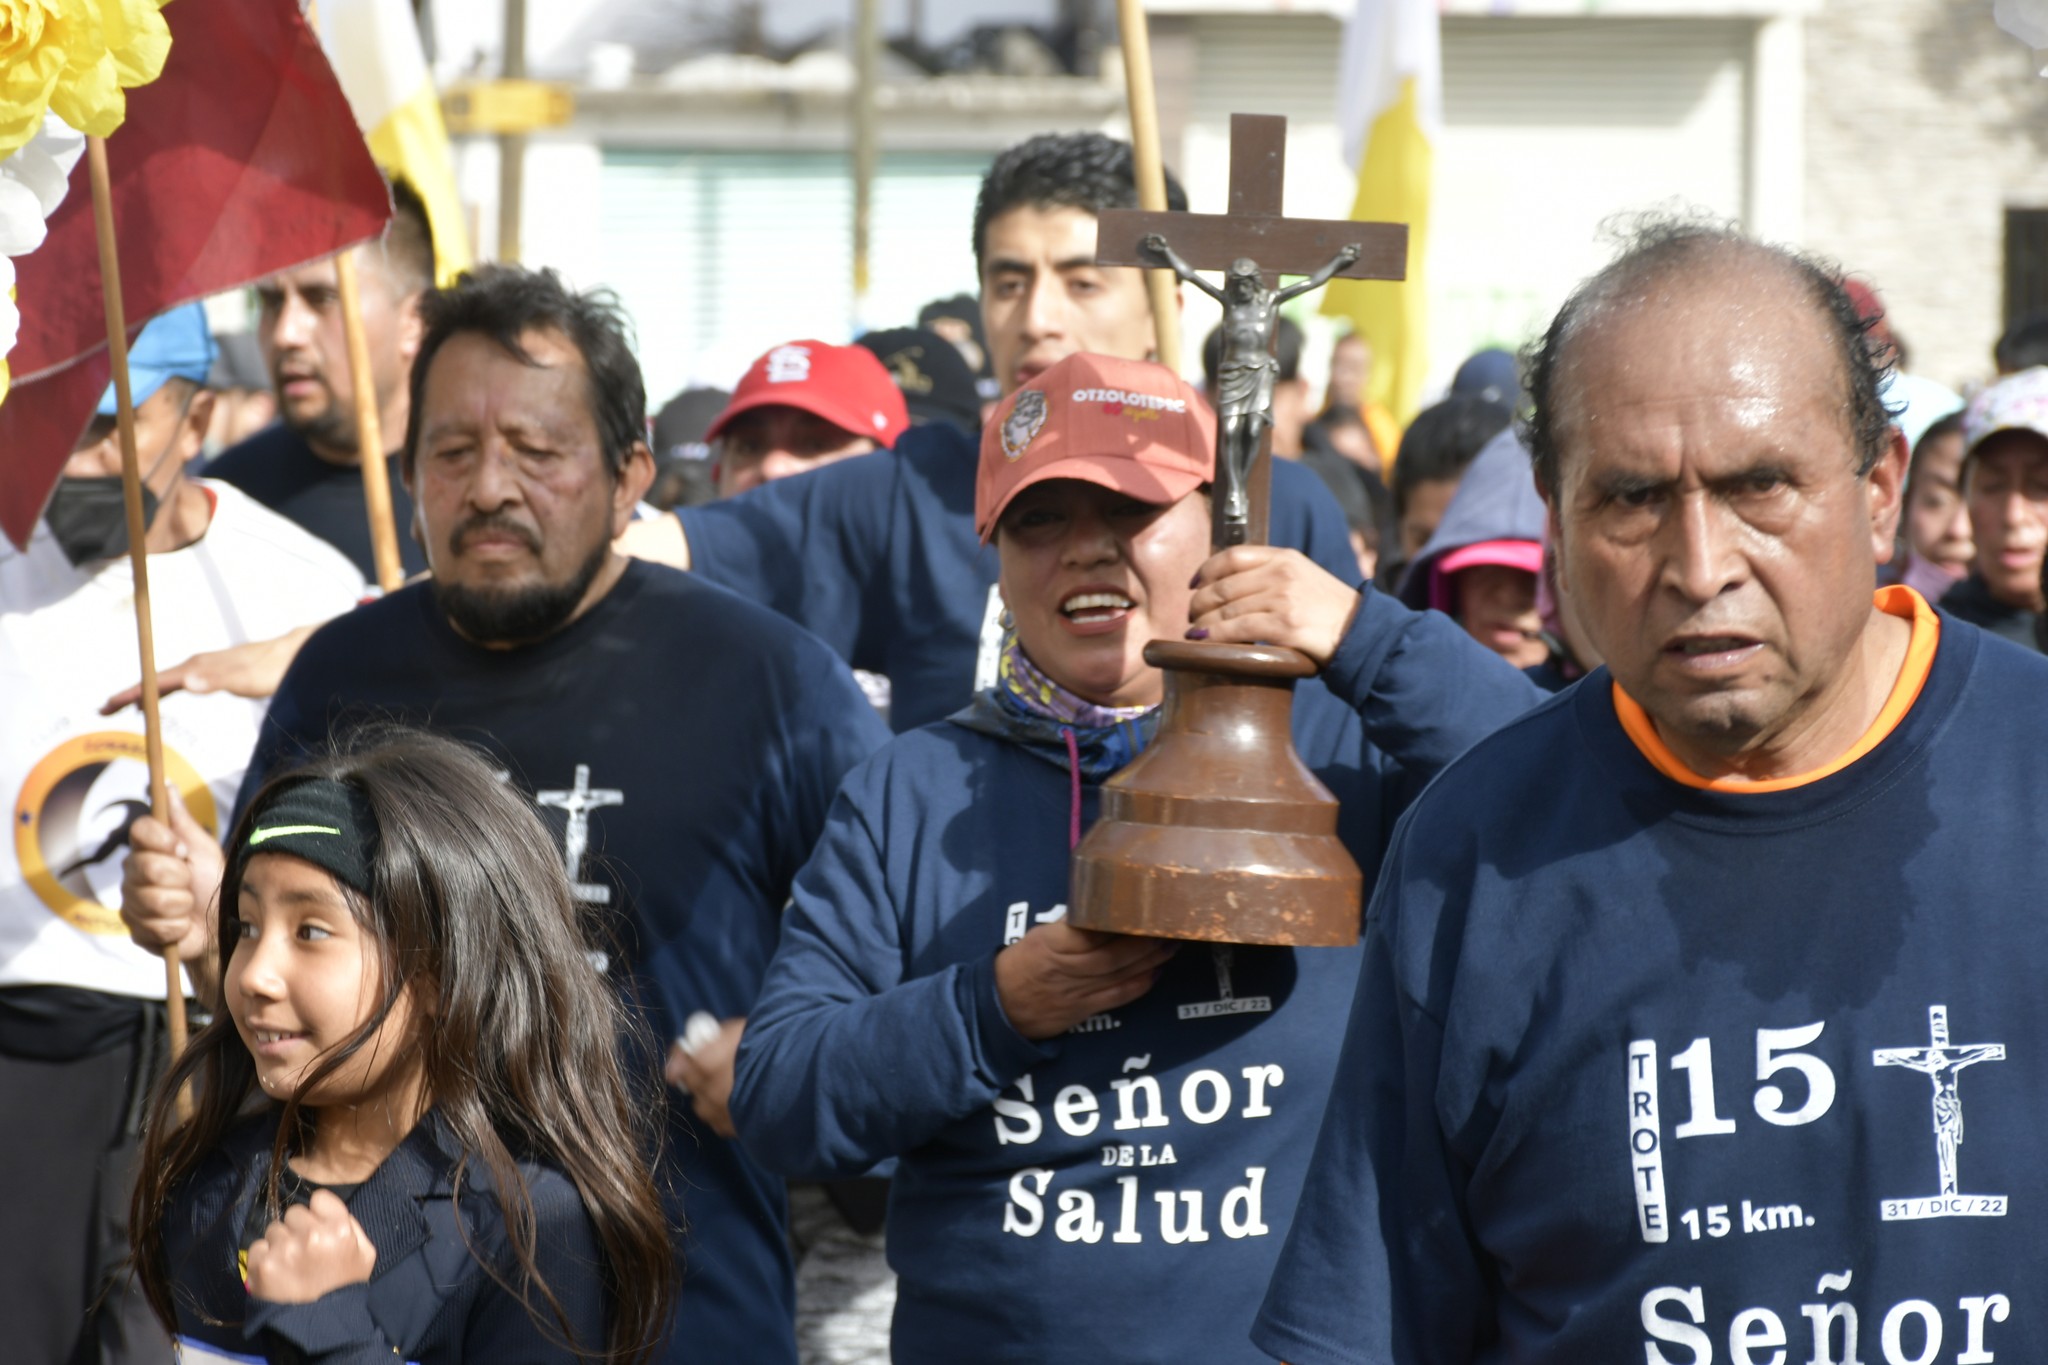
(241, 159)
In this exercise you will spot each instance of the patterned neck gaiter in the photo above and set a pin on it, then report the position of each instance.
(1022, 681)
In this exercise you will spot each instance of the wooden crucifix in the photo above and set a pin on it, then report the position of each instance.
(1253, 244)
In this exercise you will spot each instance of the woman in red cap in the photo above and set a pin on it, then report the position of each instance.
(1099, 1139)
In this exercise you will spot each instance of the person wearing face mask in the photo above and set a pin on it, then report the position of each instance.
(81, 1007)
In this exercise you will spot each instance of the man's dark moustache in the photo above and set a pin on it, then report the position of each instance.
(492, 522)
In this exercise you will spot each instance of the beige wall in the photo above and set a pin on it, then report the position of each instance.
(1924, 122)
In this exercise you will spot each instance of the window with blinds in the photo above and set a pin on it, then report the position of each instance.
(720, 255)
(2026, 263)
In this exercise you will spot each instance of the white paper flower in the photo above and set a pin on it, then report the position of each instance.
(10, 321)
(2026, 20)
(32, 184)
(10, 316)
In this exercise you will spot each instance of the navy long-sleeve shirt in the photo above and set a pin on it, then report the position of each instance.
(685, 746)
(438, 1293)
(1641, 1071)
(1119, 1192)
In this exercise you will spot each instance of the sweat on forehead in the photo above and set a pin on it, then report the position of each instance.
(1704, 276)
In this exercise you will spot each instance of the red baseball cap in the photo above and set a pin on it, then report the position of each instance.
(1129, 425)
(845, 385)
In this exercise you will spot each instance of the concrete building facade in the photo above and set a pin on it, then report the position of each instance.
(1900, 137)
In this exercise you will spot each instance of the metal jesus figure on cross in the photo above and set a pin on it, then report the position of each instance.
(1247, 370)
(1218, 831)
(1250, 244)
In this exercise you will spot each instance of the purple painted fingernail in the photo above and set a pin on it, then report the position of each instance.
(1199, 633)
(1196, 581)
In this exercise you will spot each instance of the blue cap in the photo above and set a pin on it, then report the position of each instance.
(1491, 375)
(177, 343)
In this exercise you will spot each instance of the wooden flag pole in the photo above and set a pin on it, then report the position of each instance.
(1150, 168)
(369, 422)
(138, 552)
(369, 427)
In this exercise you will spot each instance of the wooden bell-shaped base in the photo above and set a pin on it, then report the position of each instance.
(1218, 831)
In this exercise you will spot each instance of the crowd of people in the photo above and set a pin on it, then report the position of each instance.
(643, 935)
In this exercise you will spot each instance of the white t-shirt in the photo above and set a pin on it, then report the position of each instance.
(74, 779)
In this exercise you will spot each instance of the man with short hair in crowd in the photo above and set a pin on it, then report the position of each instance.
(800, 406)
(2005, 488)
(1678, 990)
(2023, 345)
(308, 467)
(81, 1008)
(879, 556)
(685, 744)
(936, 382)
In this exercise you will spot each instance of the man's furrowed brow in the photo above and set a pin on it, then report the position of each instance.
(1007, 265)
(1621, 483)
(434, 428)
(1765, 470)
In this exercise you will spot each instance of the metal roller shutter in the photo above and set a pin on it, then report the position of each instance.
(720, 255)
(1553, 126)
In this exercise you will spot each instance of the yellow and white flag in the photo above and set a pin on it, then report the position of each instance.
(1390, 107)
(374, 47)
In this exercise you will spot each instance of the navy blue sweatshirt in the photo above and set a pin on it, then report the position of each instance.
(1639, 1071)
(1118, 1193)
(878, 558)
(684, 744)
(276, 467)
(435, 1296)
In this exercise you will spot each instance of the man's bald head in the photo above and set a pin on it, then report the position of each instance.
(1666, 261)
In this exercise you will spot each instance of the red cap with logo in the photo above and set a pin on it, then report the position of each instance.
(1129, 425)
(845, 385)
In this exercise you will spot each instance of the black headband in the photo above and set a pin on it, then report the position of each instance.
(328, 823)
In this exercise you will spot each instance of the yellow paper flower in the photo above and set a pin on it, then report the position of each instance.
(75, 58)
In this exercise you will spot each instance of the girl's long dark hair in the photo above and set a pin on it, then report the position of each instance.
(520, 1036)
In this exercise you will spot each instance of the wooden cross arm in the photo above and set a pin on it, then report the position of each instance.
(1287, 246)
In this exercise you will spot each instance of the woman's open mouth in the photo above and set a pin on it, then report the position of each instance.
(1096, 610)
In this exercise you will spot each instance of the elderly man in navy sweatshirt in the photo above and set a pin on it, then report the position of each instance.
(1677, 990)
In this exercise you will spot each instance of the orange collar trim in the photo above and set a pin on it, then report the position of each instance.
(1899, 601)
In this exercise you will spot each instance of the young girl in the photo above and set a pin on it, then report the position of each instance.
(412, 1138)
